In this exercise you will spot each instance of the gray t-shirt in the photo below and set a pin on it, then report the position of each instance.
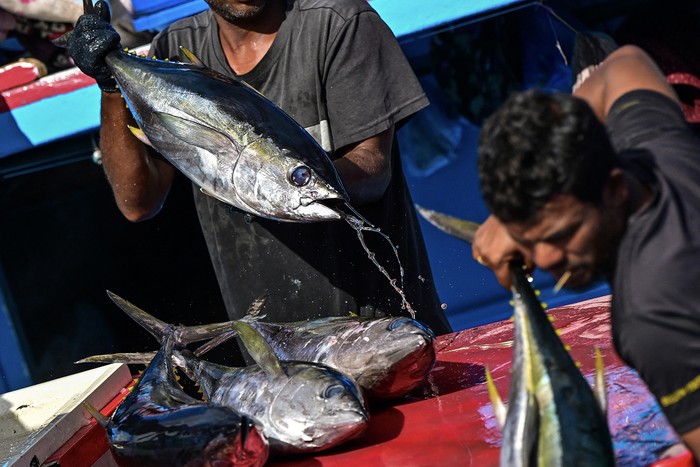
(656, 283)
(336, 68)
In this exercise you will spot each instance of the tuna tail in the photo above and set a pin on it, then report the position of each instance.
(135, 358)
(183, 335)
(153, 325)
(253, 314)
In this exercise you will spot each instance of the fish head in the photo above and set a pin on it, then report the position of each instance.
(285, 186)
(389, 357)
(318, 407)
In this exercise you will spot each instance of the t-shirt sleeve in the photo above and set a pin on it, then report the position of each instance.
(643, 116)
(369, 82)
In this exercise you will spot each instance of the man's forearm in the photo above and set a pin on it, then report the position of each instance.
(366, 168)
(140, 182)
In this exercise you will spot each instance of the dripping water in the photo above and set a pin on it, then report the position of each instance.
(360, 224)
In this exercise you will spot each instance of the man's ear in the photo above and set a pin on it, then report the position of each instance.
(615, 191)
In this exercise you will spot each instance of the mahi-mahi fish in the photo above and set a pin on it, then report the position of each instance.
(388, 357)
(232, 142)
(159, 424)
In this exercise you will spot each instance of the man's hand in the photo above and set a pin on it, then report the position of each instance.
(494, 248)
(90, 42)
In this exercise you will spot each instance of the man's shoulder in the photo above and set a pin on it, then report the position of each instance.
(343, 8)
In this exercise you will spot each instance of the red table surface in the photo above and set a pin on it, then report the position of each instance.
(450, 421)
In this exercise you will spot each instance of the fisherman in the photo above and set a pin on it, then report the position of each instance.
(336, 68)
(607, 183)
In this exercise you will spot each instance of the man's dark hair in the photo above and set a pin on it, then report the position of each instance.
(538, 145)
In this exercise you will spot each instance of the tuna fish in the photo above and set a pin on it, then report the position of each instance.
(553, 417)
(159, 424)
(388, 357)
(302, 406)
(226, 137)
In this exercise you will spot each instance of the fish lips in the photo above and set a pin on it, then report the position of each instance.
(321, 205)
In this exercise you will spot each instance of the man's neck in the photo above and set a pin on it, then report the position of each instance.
(245, 42)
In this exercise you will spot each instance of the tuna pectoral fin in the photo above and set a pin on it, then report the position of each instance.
(196, 134)
(140, 135)
(259, 349)
(215, 196)
(499, 408)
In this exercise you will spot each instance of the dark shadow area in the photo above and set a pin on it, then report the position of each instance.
(63, 243)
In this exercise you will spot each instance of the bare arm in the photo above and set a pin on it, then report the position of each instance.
(140, 182)
(626, 69)
(365, 167)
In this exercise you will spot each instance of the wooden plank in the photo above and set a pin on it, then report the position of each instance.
(38, 420)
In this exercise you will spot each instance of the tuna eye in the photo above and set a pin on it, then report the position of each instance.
(300, 176)
(333, 391)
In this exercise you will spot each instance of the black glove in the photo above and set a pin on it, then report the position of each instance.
(90, 42)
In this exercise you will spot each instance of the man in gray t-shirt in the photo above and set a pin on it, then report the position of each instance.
(336, 68)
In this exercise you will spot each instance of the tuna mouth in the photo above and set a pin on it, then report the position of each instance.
(332, 207)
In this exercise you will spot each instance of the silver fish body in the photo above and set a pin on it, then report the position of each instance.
(232, 142)
(553, 417)
(388, 357)
(312, 408)
(159, 424)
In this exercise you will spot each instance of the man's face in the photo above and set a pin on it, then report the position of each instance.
(572, 236)
(235, 10)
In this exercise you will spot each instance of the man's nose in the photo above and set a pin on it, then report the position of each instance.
(548, 256)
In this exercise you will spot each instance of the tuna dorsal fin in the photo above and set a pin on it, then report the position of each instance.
(191, 56)
(140, 135)
(499, 408)
(259, 349)
(195, 133)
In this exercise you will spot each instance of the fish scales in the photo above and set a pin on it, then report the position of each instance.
(231, 141)
(553, 418)
(159, 424)
(388, 357)
(313, 408)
